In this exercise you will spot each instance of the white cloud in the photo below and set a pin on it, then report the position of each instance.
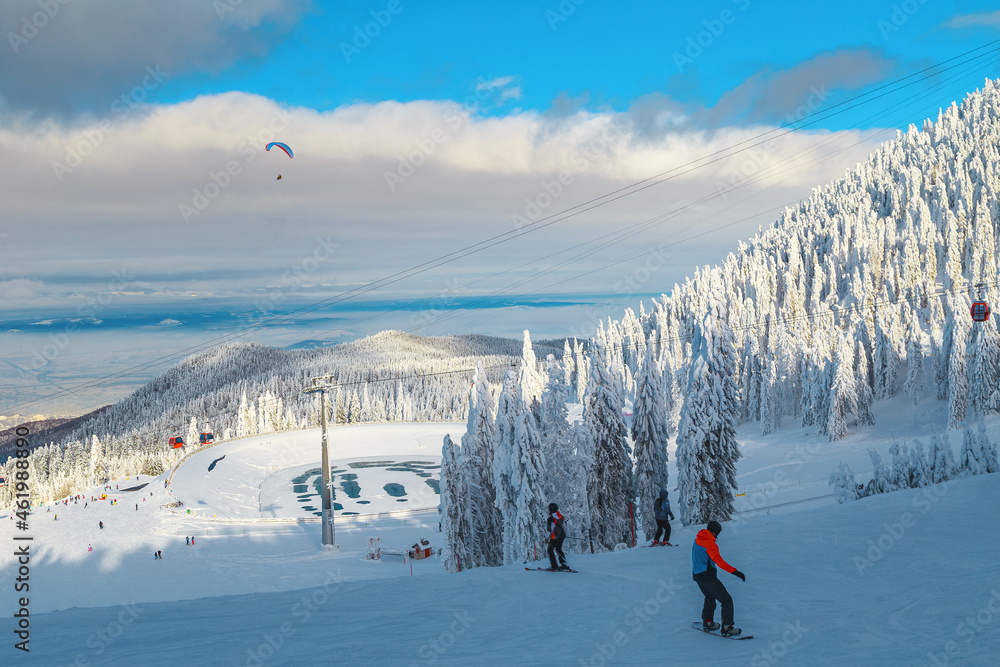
(462, 178)
(974, 20)
(21, 289)
(497, 82)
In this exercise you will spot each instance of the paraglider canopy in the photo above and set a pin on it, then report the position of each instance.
(284, 147)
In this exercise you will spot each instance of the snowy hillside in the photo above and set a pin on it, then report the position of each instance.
(241, 390)
(888, 580)
(209, 386)
(871, 278)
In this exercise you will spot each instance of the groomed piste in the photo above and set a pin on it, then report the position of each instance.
(900, 578)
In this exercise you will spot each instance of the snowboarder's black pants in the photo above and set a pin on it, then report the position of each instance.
(555, 547)
(714, 590)
(662, 526)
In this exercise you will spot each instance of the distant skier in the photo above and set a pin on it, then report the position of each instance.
(663, 516)
(704, 557)
(90, 548)
(192, 539)
(557, 533)
(101, 524)
(187, 540)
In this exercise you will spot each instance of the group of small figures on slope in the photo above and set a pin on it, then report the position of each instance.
(705, 557)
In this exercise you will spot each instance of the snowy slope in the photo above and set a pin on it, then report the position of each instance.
(245, 575)
(807, 599)
(245, 542)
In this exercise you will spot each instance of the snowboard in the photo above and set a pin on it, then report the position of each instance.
(545, 569)
(698, 626)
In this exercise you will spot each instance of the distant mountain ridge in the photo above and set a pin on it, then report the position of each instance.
(209, 386)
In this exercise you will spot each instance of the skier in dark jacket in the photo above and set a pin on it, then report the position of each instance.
(704, 557)
(557, 533)
(663, 517)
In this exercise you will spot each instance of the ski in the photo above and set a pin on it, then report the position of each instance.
(546, 569)
(697, 625)
(660, 545)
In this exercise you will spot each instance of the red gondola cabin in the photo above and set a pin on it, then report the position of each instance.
(980, 311)
(176, 443)
(207, 438)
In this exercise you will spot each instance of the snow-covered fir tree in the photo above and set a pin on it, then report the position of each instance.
(940, 460)
(845, 488)
(771, 400)
(354, 408)
(844, 400)
(610, 484)
(504, 465)
(881, 476)
(528, 534)
(456, 524)
(555, 431)
(649, 438)
(899, 474)
(919, 466)
(582, 366)
(566, 449)
(478, 453)
(985, 369)
(530, 380)
(707, 450)
(978, 455)
(568, 364)
(865, 397)
(989, 459)
(958, 379)
(914, 385)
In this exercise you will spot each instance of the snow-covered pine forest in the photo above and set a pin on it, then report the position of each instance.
(861, 291)
(241, 389)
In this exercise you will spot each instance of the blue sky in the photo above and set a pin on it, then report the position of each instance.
(599, 55)
(137, 192)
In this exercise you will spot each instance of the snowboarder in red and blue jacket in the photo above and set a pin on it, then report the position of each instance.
(704, 557)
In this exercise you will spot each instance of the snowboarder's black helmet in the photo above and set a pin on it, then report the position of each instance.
(553, 507)
(714, 527)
